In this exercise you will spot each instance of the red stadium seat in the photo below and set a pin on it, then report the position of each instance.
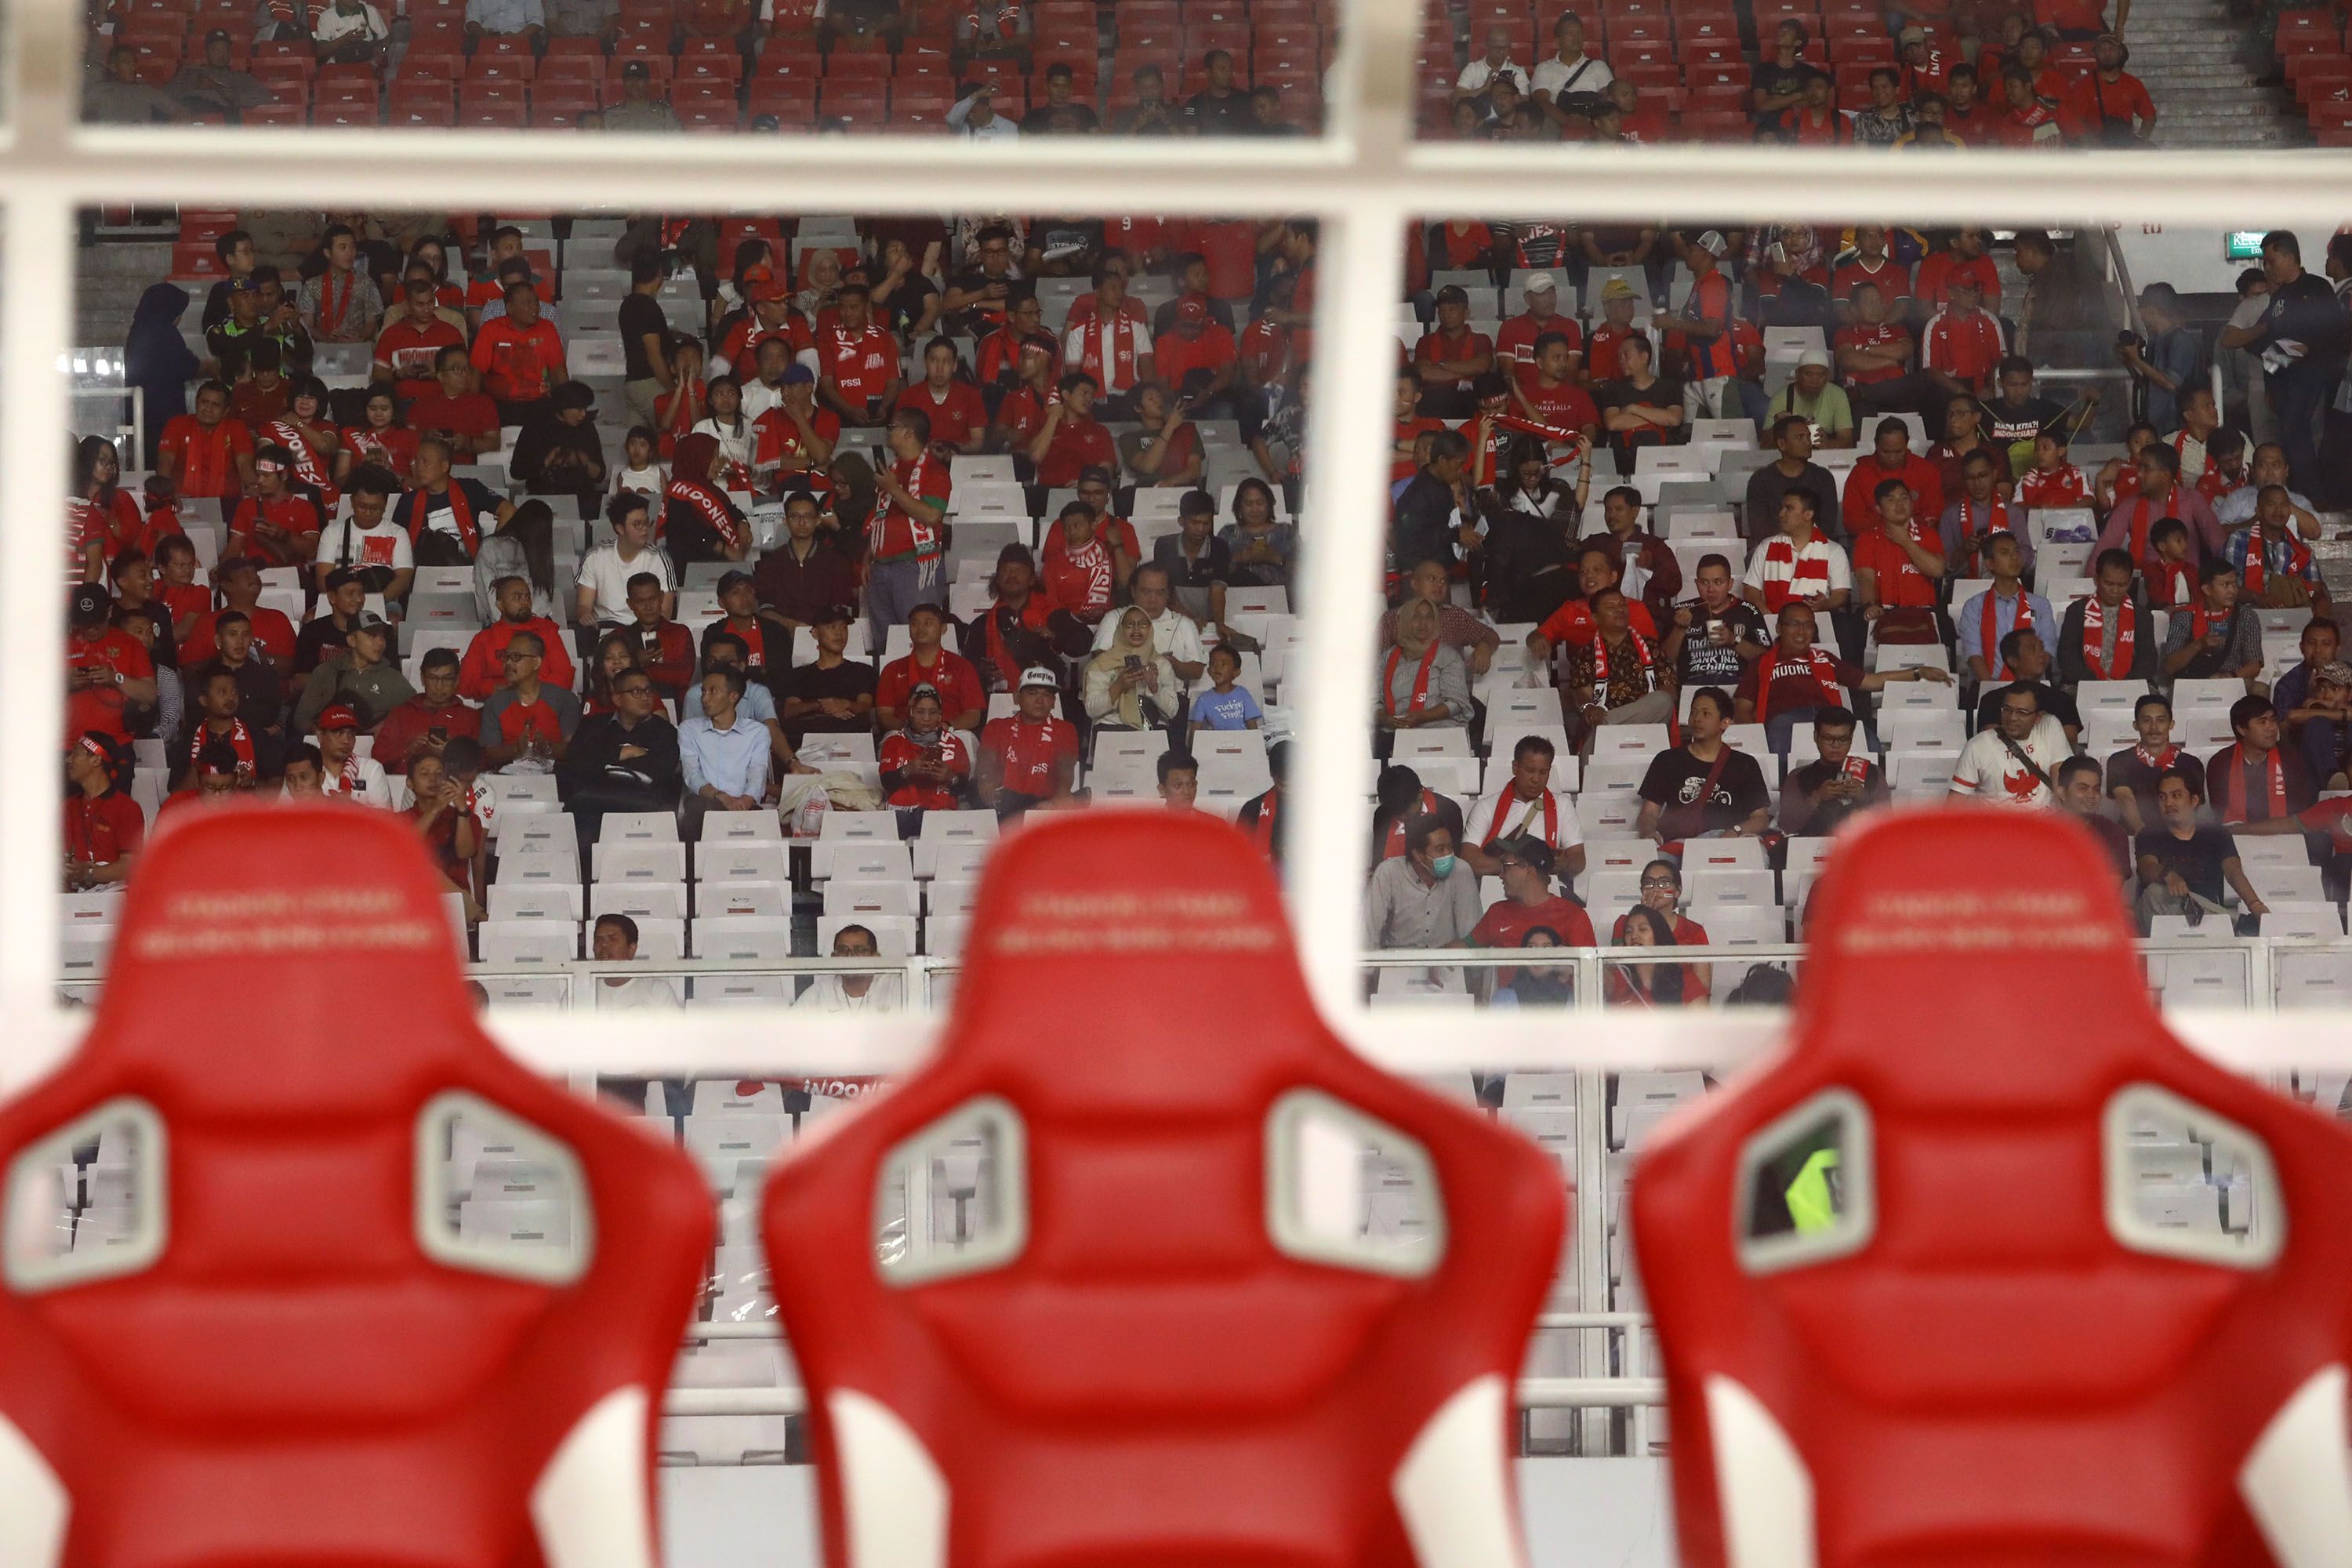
(280, 111)
(290, 1313)
(494, 94)
(414, 67)
(345, 112)
(205, 227)
(710, 115)
(793, 102)
(437, 33)
(197, 258)
(728, 67)
(1707, 62)
(554, 68)
(501, 67)
(1900, 1270)
(558, 48)
(2332, 85)
(1325, 1395)
(716, 19)
(1707, 124)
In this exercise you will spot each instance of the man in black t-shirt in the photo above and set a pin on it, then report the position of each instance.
(2185, 864)
(1704, 788)
(2133, 772)
(1794, 469)
(1816, 798)
(2017, 412)
(832, 694)
(644, 327)
(1717, 636)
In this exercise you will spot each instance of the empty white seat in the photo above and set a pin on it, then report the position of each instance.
(723, 1144)
(946, 896)
(739, 991)
(862, 859)
(859, 898)
(536, 901)
(944, 935)
(87, 911)
(2285, 884)
(1722, 853)
(743, 938)
(2303, 920)
(1607, 814)
(1743, 888)
(952, 858)
(839, 824)
(549, 832)
(640, 827)
(527, 941)
(738, 826)
(1740, 925)
(773, 899)
(640, 862)
(1628, 740)
(640, 901)
(742, 859)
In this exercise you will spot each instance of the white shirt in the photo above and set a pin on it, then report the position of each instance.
(1074, 354)
(334, 23)
(386, 544)
(649, 483)
(1763, 570)
(1552, 75)
(635, 994)
(1524, 816)
(1988, 772)
(1479, 73)
(825, 994)
(736, 442)
(368, 785)
(604, 571)
(1172, 634)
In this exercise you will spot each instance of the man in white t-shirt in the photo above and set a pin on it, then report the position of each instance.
(1172, 631)
(1495, 62)
(605, 571)
(2015, 762)
(344, 774)
(1569, 68)
(1801, 563)
(615, 942)
(854, 992)
(1527, 806)
(366, 539)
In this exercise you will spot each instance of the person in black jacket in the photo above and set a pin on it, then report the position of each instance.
(2302, 341)
(623, 761)
(2088, 652)
(559, 452)
(1432, 505)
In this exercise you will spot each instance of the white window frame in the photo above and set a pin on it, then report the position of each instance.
(1365, 180)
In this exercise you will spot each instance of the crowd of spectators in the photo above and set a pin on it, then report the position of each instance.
(1673, 547)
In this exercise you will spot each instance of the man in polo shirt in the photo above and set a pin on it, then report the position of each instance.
(1029, 759)
(1527, 810)
(1071, 441)
(528, 722)
(207, 453)
(1198, 356)
(521, 356)
(425, 722)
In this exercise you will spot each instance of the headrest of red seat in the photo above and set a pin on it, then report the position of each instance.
(335, 915)
(1096, 910)
(2007, 918)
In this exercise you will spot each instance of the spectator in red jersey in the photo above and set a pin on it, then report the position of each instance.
(1086, 567)
(793, 442)
(1551, 396)
(425, 722)
(1816, 122)
(2026, 120)
(1704, 326)
(1407, 453)
(2130, 525)
(1029, 759)
(452, 836)
(526, 722)
(1197, 355)
(1527, 905)
(770, 319)
(953, 405)
(1785, 687)
(1964, 258)
(1960, 347)
(207, 454)
(1968, 113)
(1896, 566)
(237, 580)
(482, 670)
(857, 361)
(278, 524)
(1164, 449)
(1022, 628)
(1449, 360)
(1071, 441)
(927, 765)
(459, 413)
(1518, 340)
(1618, 300)
(950, 677)
(1891, 457)
(521, 356)
(414, 332)
(665, 647)
(185, 600)
(1599, 567)
(103, 826)
(114, 515)
(107, 669)
(2109, 107)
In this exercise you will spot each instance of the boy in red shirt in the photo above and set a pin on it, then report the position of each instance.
(238, 580)
(207, 453)
(953, 406)
(1070, 441)
(521, 356)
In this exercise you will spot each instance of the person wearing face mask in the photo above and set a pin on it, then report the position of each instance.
(1425, 898)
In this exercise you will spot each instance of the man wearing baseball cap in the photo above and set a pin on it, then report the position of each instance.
(1029, 759)
(1527, 866)
(1516, 340)
(347, 775)
(104, 826)
(1711, 390)
(1813, 395)
(639, 110)
(107, 669)
(1198, 356)
(1619, 301)
(360, 675)
(1450, 359)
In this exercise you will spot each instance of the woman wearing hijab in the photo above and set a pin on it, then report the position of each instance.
(1130, 685)
(698, 522)
(156, 361)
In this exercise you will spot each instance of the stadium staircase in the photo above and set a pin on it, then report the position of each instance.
(2202, 68)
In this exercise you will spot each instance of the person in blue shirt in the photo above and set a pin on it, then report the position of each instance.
(1225, 706)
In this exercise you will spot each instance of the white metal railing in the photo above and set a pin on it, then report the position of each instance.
(1364, 181)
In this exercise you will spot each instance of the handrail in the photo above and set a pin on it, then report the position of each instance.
(2132, 318)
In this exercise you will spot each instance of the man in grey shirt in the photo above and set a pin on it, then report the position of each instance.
(1427, 897)
(213, 85)
(120, 97)
(1794, 469)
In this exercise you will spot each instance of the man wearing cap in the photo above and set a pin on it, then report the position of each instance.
(213, 86)
(638, 109)
(359, 676)
(1198, 357)
(107, 669)
(1028, 759)
(1813, 396)
(230, 338)
(1711, 390)
(1527, 867)
(1450, 358)
(1619, 302)
(771, 315)
(1516, 340)
(344, 773)
(103, 826)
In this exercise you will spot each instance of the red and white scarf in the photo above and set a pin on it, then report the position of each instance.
(1808, 575)
(1115, 374)
(921, 538)
(1550, 818)
(1419, 677)
(1988, 631)
(1642, 651)
(238, 737)
(2144, 519)
(2095, 631)
(710, 503)
(2155, 763)
(2257, 567)
(1996, 519)
(346, 782)
(2061, 485)
(307, 466)
(461, 511)
(1394, 845)
(331, 312)
(1092, 561)
(1816, 667)
(2174, 579)
(2232, 763)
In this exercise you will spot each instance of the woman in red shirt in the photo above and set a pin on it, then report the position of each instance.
(378, 439)
(110, 513)
(1644, 984)
(306, 429)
